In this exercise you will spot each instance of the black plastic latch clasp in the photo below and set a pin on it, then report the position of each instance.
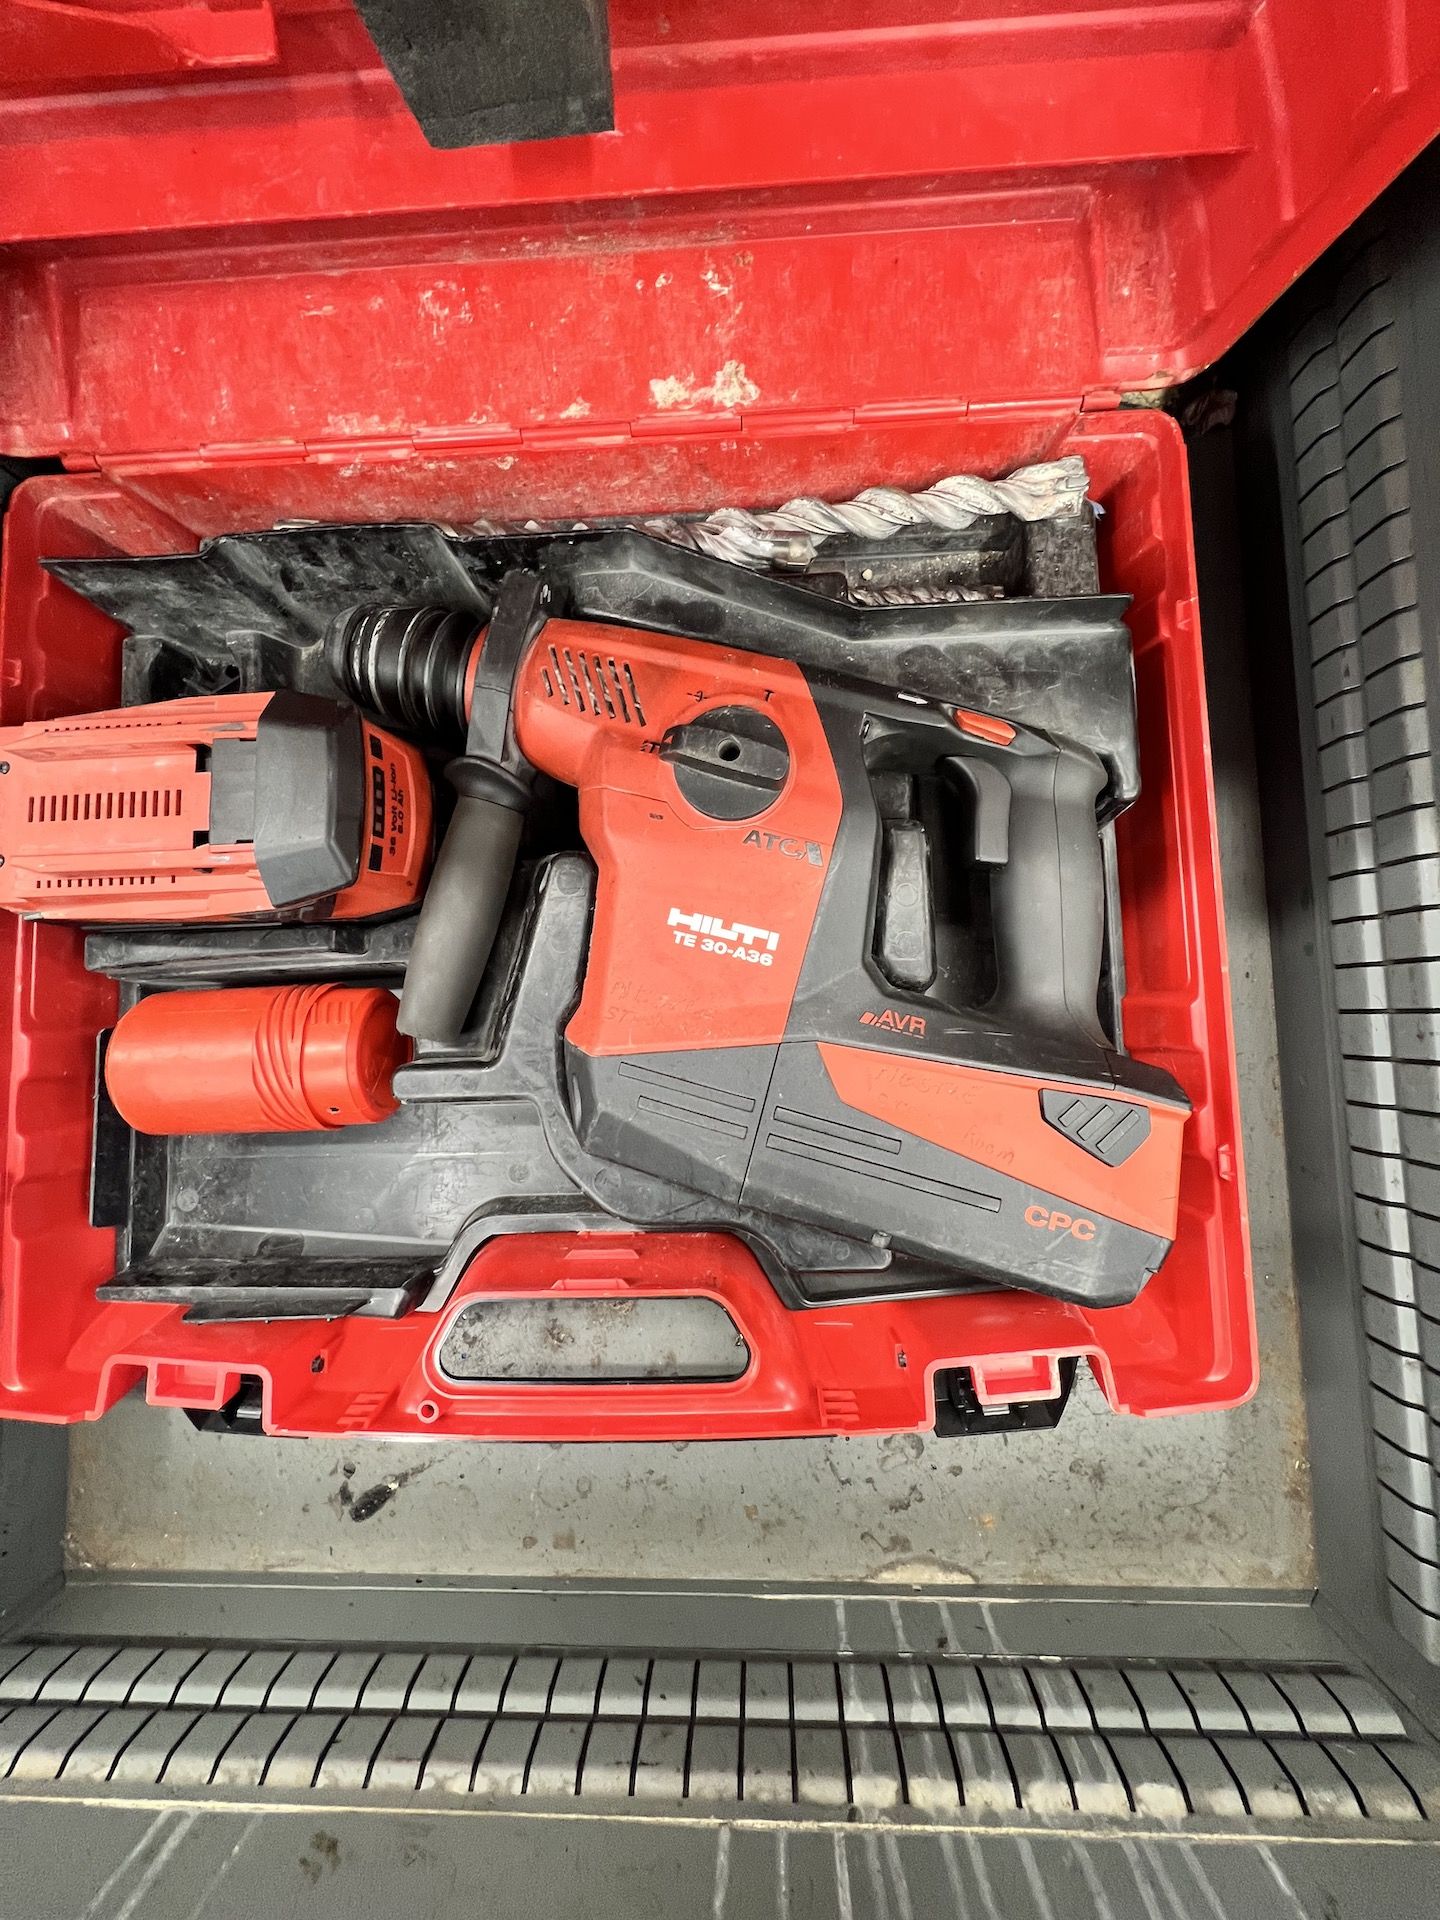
(959, 1412)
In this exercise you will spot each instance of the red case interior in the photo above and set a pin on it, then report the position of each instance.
(1188, 1341)
(824, 247)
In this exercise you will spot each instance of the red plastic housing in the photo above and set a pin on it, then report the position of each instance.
(824, 247)
(99, 819)
(1187, 1342)
(271, 1060)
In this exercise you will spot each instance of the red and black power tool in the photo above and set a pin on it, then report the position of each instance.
(229, 807)
(735, 1034)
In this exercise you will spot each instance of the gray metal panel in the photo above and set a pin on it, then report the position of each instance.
(1163, 1706)
(1209, 1782)
(931, 1783)
(1354, 404)
(298, 1681)
(609, 1759)
(1112, 1702)
(94, 1758)
(531, 1679)
(987, 1780)
(174, 1862)
(660, 1762)
(637, 1619)
(1150, 1774)
(28, 1674)
(245, 1760)
(1124, 1742)
(912, 1694)
(876, 1782)
(388, 1688)
(345, 1680)
(555, 1763)
(250, 1684)
(671, 1689)
(295, 1761)
(205, 1682)
(73, 1679)
(438, 1682)
(450, 1764)
(32, 1517)
(158, 1685)
(1041, 1782)
(346, 1762)
(1012, 1699)
(717, 1690)
(43, 1756)
(483, 1684)
(963, 1701)
(401, 1755)
(193, 1761)
(1095, 1778)
(143, 1759)
(767, 1692)
(766, 1774)
(1061, 1699)
(577, 1686)
(714, 1770)
(821, 1767)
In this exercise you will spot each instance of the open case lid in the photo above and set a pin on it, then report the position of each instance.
(223, 238)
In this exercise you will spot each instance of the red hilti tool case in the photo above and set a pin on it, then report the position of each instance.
(802, 263)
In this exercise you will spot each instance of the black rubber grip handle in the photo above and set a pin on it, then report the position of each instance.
(462, 907)
(1048, 900)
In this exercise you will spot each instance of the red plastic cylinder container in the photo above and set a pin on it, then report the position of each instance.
(256, 1060)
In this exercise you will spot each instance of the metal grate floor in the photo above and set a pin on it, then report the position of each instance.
(939, 1738)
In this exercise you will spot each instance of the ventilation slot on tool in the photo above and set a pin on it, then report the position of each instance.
(142, 803)
(859, 1150)
(87, 723)
(602, 687)
(690, 1103)
(99, 882)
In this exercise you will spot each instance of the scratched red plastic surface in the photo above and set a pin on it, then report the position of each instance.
(1187, 1342)
(223, 232)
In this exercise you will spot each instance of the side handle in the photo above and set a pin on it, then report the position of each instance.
(464, 901)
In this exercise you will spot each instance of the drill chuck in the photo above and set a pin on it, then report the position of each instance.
(412, 666)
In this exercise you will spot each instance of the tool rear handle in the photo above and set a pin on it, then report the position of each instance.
(1048, 898)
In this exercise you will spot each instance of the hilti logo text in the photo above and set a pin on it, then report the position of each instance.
(709, 934)
(911, 1023)
(1058, 1222)
(787, 844)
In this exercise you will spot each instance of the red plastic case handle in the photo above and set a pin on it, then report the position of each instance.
(817, 1371)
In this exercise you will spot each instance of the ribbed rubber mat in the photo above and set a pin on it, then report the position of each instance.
(941, 1738)
(1372, 688)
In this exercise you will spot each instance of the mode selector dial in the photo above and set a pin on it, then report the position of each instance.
(730, 763)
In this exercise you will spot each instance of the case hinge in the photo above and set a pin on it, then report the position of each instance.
(772, 423)
(879, 413)
(577, 434)
(467, 439)
(501, 437)
(249, 453)
(380, 446)
(687, 426)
